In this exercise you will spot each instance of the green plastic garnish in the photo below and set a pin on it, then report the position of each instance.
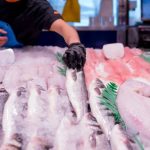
(108, 99)
(146, 58)
(61, 70)
(138, 142)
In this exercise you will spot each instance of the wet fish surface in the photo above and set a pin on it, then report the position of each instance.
(103, 116)
(13, 124)
(77, 92)
(90, 136)
(3, 98)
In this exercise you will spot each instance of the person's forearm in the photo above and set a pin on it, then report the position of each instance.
(69, 34)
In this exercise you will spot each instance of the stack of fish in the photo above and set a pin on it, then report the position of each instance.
(41, 109)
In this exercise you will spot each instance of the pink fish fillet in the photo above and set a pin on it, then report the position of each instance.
(120, 69)
(131, 53)
(140, 67)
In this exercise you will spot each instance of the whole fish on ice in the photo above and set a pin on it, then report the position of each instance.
(103, 116)
(3, 98)
(86, 135)
(45, 112)
(77, 92)
(15, 113)
(37, 116)
(115, 134)
(120, 140)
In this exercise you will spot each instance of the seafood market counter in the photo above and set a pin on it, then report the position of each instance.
(44, 105)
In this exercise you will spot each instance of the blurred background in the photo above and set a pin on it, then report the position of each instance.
(106, 21)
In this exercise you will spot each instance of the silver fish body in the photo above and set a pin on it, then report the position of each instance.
(103, 116)
(3, 98)
(90, 136)
(77, 92)
(119, 140)
(14, 116)
(115, 134)
(37, 116)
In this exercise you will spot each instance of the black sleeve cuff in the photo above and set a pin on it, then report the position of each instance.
(49, 19)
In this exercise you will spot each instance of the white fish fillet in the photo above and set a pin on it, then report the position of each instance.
(135, 93)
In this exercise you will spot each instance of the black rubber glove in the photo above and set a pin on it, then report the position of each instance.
(75, 56)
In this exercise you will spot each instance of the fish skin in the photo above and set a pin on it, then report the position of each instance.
(102, 115)
(119, 139)
(34, 107)
(46, 109)
(54, 97)
(15, 112)
(59, 104)
(38, 144)
(61, 138)
(90, 136)
(3, 98)
(114, 133)
(93, 136)
(77, 92)
(37, 113)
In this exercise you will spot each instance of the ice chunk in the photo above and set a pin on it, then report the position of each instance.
(7, 56)
(113, 51)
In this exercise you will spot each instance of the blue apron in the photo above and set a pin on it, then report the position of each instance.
(12, 41)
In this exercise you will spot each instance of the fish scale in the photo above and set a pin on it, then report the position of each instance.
(13, 119)
(77, 92)
(99, 111)
(3, 98)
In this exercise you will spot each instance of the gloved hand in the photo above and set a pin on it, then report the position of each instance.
(75, 56)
